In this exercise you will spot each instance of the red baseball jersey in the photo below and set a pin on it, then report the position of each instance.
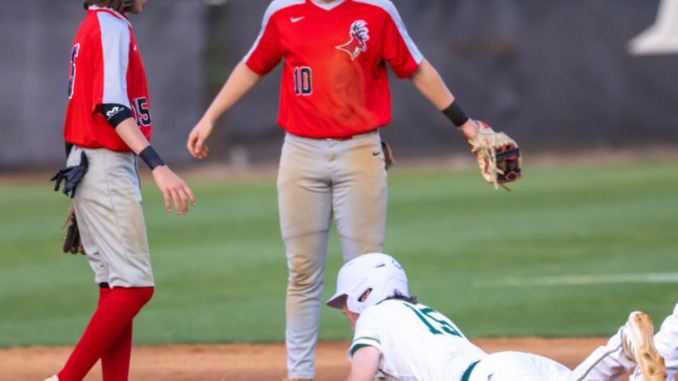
(106, 68)
(334, 83)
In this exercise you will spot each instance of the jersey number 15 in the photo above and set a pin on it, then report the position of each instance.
(436, 326)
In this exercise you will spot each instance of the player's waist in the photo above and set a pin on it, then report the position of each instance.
(100, 148)
(506, 366)
(467, 373)
(464, 367)
(338, 137)
(342, 124)
(104, 160)
(104, 151)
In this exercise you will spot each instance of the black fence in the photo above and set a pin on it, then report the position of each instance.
(36, 36)
(559, 72)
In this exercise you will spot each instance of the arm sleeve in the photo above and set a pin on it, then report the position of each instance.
(115, 114)
(110, 74)
(266, 53)
(367, 332)
(399, 50)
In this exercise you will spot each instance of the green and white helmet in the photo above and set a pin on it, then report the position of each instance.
(377, 272)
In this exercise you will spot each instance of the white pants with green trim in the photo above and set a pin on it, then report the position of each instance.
(318, 179)
(607, 363)
(666, 341)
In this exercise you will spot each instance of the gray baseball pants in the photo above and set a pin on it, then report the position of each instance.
(319, 178)
(112, 228)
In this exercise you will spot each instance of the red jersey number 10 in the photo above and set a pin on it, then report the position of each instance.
(303, 81)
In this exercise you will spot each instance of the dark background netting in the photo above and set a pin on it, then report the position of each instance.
(556, 72)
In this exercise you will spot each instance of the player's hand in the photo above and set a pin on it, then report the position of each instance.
(174, 189)
(196, 140)
(470, 129)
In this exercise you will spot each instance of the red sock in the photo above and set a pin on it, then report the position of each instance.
(113, 318)
(115, 362)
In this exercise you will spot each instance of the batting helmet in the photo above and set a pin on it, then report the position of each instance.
(379, 273)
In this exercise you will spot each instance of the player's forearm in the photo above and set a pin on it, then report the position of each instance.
(130, 133)
(427, 80)
(364, 364)
(241, 82)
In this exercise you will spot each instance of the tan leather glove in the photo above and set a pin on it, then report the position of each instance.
(388, 155)
(498, 156)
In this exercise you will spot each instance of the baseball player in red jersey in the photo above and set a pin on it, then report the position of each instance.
(108, 121)
(334, 97)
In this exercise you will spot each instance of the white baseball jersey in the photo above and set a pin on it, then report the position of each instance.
(416, 343)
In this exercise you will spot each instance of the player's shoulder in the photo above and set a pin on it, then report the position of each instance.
(111, 23)
(374, 314)
(389, 313)
(386, 5)
(277, 6)
(386, 308)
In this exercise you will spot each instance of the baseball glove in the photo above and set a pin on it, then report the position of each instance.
(72, 242)
(388, 155)
(498, 156)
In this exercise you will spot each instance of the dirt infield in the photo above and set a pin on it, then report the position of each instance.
(251, 362)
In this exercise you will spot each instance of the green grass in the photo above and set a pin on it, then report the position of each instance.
(221, 271)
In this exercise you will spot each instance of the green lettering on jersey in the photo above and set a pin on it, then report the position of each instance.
(425, 314)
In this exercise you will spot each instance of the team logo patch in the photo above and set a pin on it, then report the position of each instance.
(113, 111)
(359, 37)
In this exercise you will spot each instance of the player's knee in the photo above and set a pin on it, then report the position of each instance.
(304, 282)
(304, 265)
(304, 275)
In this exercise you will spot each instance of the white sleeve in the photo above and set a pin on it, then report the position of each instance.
(115, 43)
(367, 332)
(400, 29)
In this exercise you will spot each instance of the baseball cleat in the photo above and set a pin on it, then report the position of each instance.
(638, 345)
(53, 378)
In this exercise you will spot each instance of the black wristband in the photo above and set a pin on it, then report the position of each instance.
(151, 158)
(115, 113)
(456, 114)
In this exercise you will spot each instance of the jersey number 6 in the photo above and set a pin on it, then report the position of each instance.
(303, 81)
(71, 80)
